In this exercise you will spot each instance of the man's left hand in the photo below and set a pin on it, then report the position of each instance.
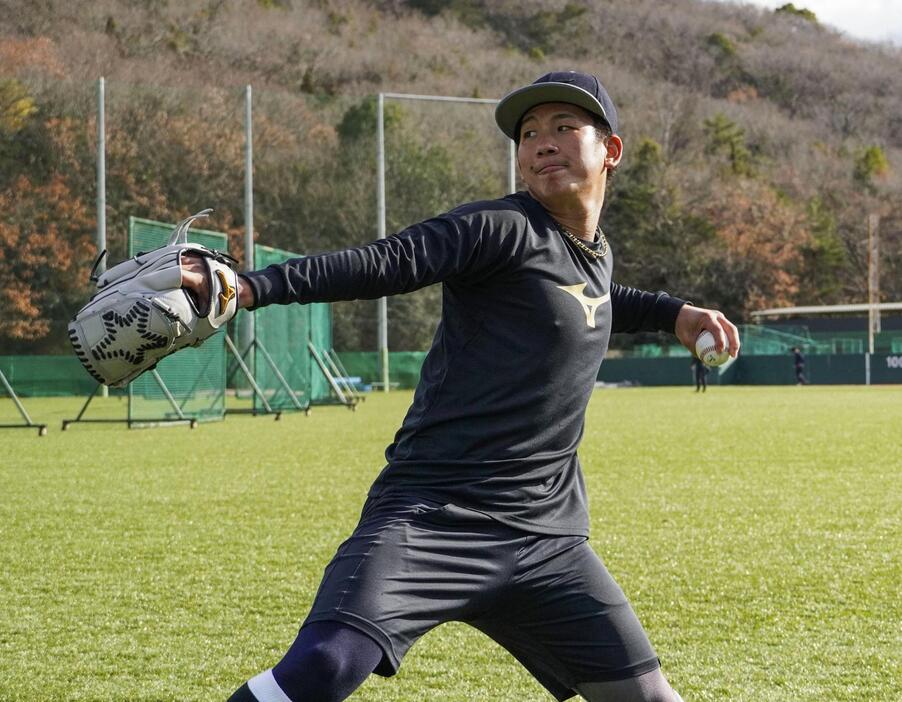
(194, 280)
(692, 321)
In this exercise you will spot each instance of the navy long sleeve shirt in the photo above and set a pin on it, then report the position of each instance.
(499, 410)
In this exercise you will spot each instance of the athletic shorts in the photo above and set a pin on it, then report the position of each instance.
(412, 564)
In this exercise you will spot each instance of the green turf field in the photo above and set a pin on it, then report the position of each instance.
(755, 530)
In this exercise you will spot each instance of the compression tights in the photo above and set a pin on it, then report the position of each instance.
(326, 663)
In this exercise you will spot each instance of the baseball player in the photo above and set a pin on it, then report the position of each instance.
(700, 371)
(798, 362)
(480, 513)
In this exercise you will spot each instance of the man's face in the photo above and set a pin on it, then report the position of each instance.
(560, 155)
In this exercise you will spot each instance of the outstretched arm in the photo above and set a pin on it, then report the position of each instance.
(423, 254)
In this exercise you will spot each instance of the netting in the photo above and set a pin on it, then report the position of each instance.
(321, 338)
(404, 367)
(281, 332)
(47, 376)
(194, 378)
(760, 340)
(24, 421)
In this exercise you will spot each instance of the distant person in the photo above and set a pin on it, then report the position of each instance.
(799, 363)
(481, 514)
(701, 374)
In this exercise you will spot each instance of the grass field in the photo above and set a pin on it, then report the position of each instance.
(755, 530)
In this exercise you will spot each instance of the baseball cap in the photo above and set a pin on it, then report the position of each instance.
(571, 87)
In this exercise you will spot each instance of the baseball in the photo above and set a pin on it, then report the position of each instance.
(704, 349)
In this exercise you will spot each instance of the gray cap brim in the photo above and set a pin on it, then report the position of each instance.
(513, 106)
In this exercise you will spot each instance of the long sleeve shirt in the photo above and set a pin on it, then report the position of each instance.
(499, 410)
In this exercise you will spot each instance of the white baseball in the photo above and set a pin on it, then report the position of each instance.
(704, 349)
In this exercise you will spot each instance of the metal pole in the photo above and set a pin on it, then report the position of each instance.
(247, 325)
(512, 170)
(439, 98)
(15, 398)
(230, 345)
(101, 183)
(380, 190)
(512, 180)
(101, 173)
(873, 279)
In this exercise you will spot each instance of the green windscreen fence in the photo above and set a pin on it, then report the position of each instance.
(321, 337)
(763, 340)
(281, 332)
(403, 367)
(47, 376)
(193, 378)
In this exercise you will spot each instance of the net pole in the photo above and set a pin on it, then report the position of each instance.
(15, 398)
(873, 279)
(101, 173)
(101, 183)
(380, 193)
(380, 189)
(247, 329)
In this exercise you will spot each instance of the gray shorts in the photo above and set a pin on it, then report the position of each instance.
(412, 564)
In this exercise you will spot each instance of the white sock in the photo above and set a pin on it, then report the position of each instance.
(266, 689)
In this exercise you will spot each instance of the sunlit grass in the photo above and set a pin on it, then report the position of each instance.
(755, 530)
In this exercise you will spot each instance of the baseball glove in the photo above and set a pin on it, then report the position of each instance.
(140, 313)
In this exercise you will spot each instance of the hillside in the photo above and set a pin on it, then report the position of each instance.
(757, 142)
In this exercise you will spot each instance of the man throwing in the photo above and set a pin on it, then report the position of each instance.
(480, 514)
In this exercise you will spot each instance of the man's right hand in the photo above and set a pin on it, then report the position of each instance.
(692, 321)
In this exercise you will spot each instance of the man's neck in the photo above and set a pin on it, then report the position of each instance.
(579, 215)
(584, 227)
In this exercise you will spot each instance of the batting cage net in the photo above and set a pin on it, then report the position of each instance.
(321, 339)
(282, 364)
(287, 341)
(189, 384)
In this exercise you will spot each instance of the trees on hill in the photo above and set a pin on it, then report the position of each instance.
(754, 149)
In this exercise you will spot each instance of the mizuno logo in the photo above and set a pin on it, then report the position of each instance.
(227, 292)
(590, 304)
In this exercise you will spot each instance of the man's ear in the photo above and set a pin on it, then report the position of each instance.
(614, 148)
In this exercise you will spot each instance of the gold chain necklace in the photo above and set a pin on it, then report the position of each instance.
(587, 249)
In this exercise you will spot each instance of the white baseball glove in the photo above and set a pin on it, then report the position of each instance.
(140, 313)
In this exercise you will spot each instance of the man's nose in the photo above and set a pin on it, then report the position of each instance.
(546, 146)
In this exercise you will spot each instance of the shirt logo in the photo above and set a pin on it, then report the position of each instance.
(589, 304)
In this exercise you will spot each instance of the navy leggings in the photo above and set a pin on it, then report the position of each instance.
(326, 663)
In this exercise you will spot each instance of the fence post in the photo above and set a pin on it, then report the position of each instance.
(101, 184)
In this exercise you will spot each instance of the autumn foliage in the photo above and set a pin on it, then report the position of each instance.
(45, 250)
(757, 143)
